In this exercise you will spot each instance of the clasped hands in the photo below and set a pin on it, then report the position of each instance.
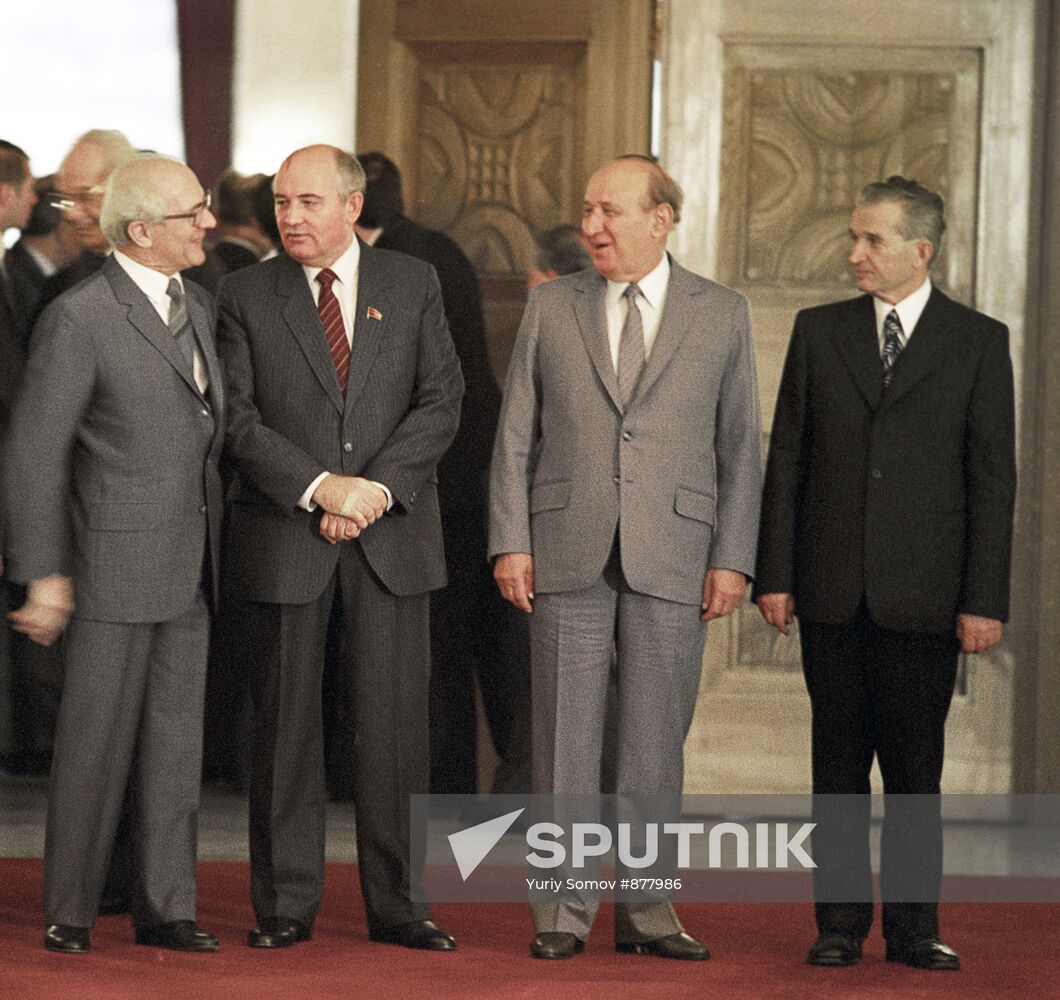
(350, 503)
(49, 604)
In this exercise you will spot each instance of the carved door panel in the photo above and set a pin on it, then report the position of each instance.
(793, 117)
(496, 114)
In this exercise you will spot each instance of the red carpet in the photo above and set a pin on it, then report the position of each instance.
(1008, 950)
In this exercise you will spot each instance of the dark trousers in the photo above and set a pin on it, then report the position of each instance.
(475, 632)
(386, 660)
(877, 693)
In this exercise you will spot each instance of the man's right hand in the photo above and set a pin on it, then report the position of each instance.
(351, 496)
(514, 573)
(778, 610)
(49, 604)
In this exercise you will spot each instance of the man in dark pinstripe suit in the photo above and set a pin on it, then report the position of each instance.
(346, 392)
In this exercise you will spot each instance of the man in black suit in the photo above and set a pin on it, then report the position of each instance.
(345, 393)
(16, 202)
(43, 248)
(887, 530)
(473, 631)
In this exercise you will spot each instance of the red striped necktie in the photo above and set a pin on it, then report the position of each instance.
(331, 317)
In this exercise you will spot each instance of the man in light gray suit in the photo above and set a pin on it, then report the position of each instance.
(345, 392)
(624, 507)
(113, 508)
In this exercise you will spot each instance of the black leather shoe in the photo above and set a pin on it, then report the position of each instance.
(834, 949)
(422, 934)
(925, 953)
(62, 937)
(278, 932)
(680, 945)
(556, 944)
(177, 935)
(113, 906)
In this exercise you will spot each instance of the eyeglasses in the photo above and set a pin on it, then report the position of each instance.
(65, 201)
(196, 212)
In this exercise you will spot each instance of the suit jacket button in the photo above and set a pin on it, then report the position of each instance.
(347, 446)
(627, 435)
(205, 413)
(877, 474)
(618, 479)
(202, 509)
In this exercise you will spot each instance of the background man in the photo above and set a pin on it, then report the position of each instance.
(624, 504)
(113, 500)
(44, 247)
(241, 240)
(559, 250)
(16, 203)
(80, 182)
(17, 198)
(887, 529)
(345, 391)
(473, 631)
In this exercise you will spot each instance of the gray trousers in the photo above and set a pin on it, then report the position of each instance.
(660, 653)
(131, 714)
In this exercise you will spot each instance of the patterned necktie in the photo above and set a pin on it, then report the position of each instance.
(331, 317)
(892, 345)
(180, 327)
(630, 347)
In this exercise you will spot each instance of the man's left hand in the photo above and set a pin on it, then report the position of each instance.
(723, 590)
(336, 528)
(977, 634)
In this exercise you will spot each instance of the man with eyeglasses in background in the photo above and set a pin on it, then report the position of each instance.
(112, 501)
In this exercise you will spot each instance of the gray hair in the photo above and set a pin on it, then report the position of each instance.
(351, 173)
(562, 249)
(118, 149)
(924, 217)
(348, 167)
(130, 197)
(662, 188)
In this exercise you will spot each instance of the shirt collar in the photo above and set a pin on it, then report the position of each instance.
(151, 282)
(345, 267)
(652, 286)
(909, 309)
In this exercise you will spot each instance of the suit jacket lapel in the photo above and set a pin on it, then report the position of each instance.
(859, 346)
(373, 284)
(590, 312)
(674, 325)
(303, 320)
(925, 350)
(143, 316)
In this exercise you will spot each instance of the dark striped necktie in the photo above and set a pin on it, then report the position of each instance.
(334, 329)
(892, 345)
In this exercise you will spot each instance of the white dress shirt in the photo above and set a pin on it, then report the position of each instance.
(345, 288)
(909, 311)
(154, 285)
(653, 287)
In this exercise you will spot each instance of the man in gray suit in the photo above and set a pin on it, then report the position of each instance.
(345, 392)
(624, 507)
(113, 507)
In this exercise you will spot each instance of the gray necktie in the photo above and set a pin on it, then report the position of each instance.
(630, 347)
(892, 345)
(180, 325)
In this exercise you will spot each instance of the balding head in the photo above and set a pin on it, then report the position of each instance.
(319, 191)
(81, 177)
